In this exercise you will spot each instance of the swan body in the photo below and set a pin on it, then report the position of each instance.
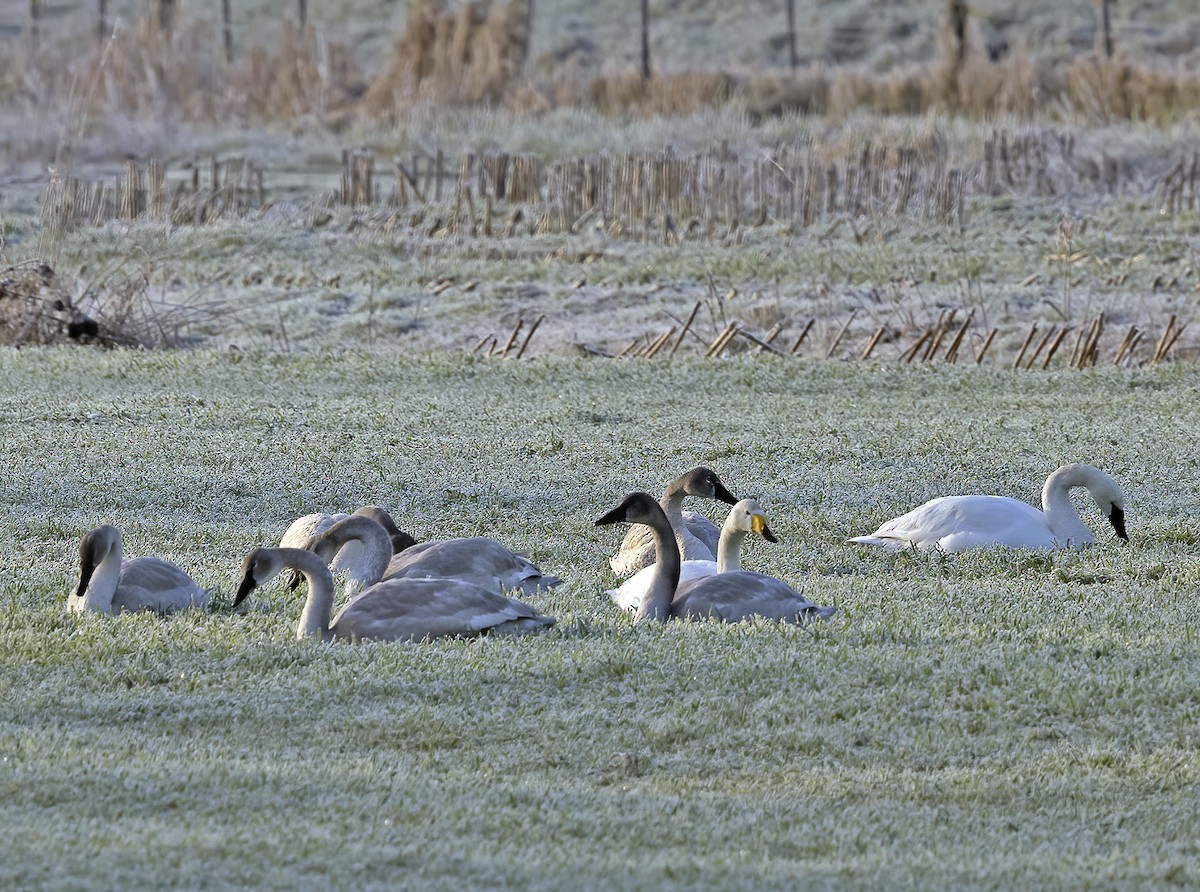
(478, 560)
(110, 584)
(745, 517)
(958, 523)
(696, 535)
(732, 596)
(394, 609)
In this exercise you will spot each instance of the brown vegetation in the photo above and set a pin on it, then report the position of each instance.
(475, 52)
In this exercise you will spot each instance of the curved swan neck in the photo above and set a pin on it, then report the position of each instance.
(366, 565)
(1061, 516)
(314, 620)
(98, 580)
(656, 602)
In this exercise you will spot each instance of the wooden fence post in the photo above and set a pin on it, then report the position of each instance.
(645, 40)
(227, 30)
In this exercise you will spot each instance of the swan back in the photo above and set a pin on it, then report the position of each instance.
(422, 609)
(477, 559)
(740, 595)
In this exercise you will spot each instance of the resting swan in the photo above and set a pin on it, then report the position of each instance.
(697, 536)
(392, 610)
(729, 597)
(957, 523)
(745, 517)
(109, 584)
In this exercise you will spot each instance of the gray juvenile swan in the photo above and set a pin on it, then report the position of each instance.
(957, 523)
(697, 536)
(744, 518)
(110, 584)
(357, 546)
(394, 609)
(304, 528)
(729, 597)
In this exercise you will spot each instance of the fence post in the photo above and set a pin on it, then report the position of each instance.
(102, 23)
(645, 40)
(227, 30)
(791, 27)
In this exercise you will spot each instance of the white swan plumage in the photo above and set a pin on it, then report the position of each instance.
(697, 536)
(958, 523)
(394, 609)
(744, 518)
(108, 583)
(728, 597)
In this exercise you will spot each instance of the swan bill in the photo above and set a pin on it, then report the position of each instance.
(1117, 519)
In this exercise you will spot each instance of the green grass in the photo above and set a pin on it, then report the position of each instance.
(988, 720)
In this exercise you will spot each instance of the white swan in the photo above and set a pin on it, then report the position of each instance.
(729, 597)
(477, 559)
(110, 584)
(394, 609)
(745, 517)
(698, 537)
(957, 523)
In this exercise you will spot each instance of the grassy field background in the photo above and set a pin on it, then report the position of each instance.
(979, 721)
(982, 721)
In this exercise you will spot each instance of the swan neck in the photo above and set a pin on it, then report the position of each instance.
(729, 550)
(314, 620)
(656, 602)
(1062, 518)
(105, 577)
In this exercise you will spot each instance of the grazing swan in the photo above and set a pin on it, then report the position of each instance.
(303, 529)
(956, 523)
(359, 545)
(392, 610)
(745, 517)
(696, 535)
(108, 584)
(478, 560)
(730, 597)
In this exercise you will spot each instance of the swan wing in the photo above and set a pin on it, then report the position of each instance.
(477, 560)
(148, 583)
(419, 609)
(740, 594)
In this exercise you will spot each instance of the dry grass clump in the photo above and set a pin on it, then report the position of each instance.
(231, 189)
(462, 53)
(303, 75)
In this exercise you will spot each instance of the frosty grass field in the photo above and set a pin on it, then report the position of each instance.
(992, 719)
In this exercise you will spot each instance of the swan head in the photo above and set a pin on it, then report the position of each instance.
(94, 548)
(400, 539)
(637, 507)
(259, 568)
(705, 484)
(748, 517)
